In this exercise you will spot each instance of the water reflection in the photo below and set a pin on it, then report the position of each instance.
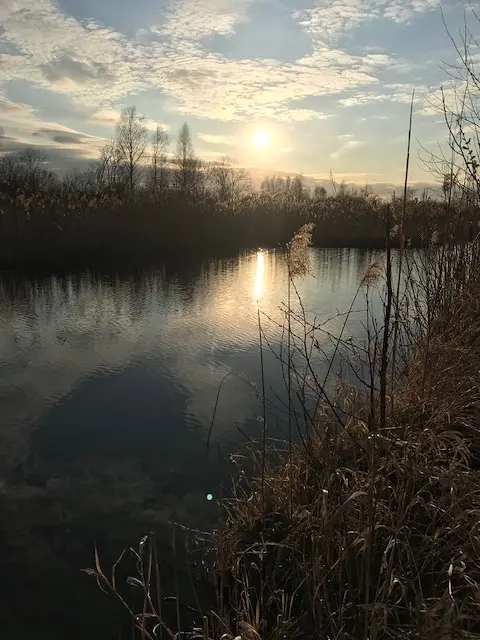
(107, 387)
(259, 275)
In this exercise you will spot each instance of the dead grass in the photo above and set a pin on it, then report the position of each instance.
(382, 535)
(370, 531)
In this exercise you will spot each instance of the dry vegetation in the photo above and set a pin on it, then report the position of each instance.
(373, 531)
(366, 525)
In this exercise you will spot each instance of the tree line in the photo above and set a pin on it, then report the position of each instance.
(133, 162)
(146, 195)
(137, 162)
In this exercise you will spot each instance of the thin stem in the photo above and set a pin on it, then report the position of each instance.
(289, 383)
(264, 408)
(386, 328)
(401, 248)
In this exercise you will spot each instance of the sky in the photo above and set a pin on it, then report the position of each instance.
(279, 86)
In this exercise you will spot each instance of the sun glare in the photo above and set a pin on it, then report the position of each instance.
(261, 140)
(259, 272)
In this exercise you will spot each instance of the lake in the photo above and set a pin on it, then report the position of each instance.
(108, 385)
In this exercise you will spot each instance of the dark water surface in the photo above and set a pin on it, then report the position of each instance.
(107, 388)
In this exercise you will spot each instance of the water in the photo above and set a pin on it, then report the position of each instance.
(107, 390)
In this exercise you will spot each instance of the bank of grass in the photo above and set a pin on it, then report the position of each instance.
(372, 530)
(368, 525)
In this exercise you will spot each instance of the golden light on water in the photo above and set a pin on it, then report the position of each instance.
(259, 274)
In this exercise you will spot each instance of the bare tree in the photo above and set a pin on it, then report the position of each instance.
(458, 100)
(298, 189)
(275, 185)
(111, 168)
(229, 184)
(159, 146)
(131, 141)
(187, 165)
(33, 163)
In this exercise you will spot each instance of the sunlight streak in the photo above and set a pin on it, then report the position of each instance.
(258, 288)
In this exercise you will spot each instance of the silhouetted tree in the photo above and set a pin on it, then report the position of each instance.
(33, 162)
(26, 172)
(229, 184)
(187, 165)
(319, 192)
(131, 142)
(159, 146)
(275, 185)
(298, 189)
(112, 172)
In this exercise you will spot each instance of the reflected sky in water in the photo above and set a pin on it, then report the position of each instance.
(117, 353)
(107, 390)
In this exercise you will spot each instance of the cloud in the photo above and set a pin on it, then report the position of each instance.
(151, 125)
(363, 99)
(399, 93)
(192, 20)
(60, 52)
(301, 115)
(65, 148)
(24, 121)
(329, 19)
(217, 139)
(65, 136)
(79, 72)
(60, 159)
(432, 102)
(55, 49)
(427, 101)
(105, 116)
(401, 11)
(16, 114)
(345, 148)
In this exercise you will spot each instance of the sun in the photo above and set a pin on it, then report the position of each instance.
(261, 139)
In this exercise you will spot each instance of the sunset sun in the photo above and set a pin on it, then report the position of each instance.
(261, 140)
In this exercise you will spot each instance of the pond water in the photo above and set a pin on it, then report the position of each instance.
(107, 390)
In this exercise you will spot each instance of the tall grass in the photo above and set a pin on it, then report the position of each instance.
(68, 229)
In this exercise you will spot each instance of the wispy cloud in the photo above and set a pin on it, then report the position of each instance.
(401, 11)
(399, 93)
(65, 136)
(97, 66)
(217, 139)
(193, 20)
(105, 116)
(347, 146)
(328, 19)
(302, 115)
(16, 114)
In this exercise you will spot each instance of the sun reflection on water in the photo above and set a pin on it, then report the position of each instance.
(259, 273)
